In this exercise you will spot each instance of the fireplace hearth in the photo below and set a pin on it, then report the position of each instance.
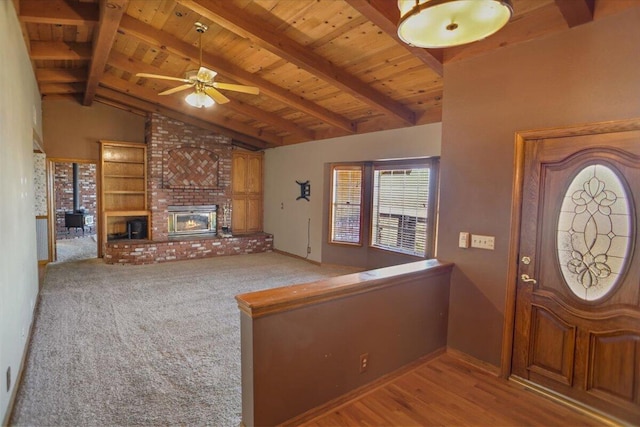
(192, 220)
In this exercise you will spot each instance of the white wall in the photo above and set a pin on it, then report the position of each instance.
(20, 114)
(286, 218)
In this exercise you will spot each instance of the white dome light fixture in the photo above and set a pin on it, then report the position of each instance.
(199, 99)
(447, 23)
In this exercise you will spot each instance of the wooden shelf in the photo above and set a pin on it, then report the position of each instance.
(123, 176)
(124, 192)
(125, 213)
(136, 162)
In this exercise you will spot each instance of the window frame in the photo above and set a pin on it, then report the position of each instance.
(431, 163)
(346, 166)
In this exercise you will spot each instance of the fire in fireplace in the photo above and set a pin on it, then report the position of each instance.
(185, 220)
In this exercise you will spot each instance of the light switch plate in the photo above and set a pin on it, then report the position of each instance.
(463, 240)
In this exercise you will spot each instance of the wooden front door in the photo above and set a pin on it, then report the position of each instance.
(577, 321)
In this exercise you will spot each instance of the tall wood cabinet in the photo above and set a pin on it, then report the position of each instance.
(123, 189)
(247, 192)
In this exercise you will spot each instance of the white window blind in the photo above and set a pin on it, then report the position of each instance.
(401, 206)
(346, 204)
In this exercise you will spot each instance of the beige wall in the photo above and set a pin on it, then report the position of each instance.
(19, 119)
(72, 131)
(587, 74)
(287, 219)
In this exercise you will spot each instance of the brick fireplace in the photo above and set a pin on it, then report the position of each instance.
(188, 168)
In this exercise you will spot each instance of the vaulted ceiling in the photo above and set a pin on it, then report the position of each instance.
(324, 68)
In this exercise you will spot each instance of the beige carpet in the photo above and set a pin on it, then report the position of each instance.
(84, 247)
(145, 345)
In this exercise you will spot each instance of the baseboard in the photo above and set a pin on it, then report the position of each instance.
(278, 251)
(477, 363)
(361, 391)
(601, 417)
(23, 362)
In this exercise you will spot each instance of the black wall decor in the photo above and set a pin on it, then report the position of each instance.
(305, 190)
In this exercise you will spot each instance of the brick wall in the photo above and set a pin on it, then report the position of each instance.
(205, 153)
(138, 252)
(63, 189)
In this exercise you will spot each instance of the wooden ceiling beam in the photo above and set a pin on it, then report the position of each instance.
(61, 75)
(224, 13)
(178, 104)
(61, 88)
(60, 51)
(133, 28)
(385, 15)
(61, 12)
(115, 98)
(119, 105)
(576, 12)
(111, 12)
(134, 66)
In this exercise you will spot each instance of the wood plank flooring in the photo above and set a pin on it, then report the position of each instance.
(449, 391)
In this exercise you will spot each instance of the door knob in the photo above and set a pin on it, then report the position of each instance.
(527, 279)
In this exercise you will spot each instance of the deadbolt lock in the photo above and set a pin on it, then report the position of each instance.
(526, 260)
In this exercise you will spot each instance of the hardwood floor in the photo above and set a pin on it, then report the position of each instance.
(449, 391)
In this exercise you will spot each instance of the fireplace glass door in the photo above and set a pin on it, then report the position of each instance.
(181, 223)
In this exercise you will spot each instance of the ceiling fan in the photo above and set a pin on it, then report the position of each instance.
(201, 80)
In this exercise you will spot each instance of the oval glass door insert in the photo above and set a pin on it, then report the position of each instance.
(594, 232)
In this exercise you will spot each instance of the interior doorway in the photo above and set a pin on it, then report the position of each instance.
(74, 204)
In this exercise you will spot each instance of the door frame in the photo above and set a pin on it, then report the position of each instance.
(521, 138)
(52, 226)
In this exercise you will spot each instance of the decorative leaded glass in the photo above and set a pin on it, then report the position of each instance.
(594, 232)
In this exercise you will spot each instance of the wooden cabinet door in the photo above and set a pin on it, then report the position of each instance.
(254, 175)
(247, 193)
(239, 174)
(254, 214)
(239, 215)
(577, 328)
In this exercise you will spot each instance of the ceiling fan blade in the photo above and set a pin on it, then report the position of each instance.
(156, 76)
(206, 75)
(217, 96)
(176, 89)
(238, 88)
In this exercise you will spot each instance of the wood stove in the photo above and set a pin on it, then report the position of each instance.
(192, 220)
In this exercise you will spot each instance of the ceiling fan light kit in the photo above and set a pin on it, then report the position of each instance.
(447, 23)
(199, 100)
(205, 91)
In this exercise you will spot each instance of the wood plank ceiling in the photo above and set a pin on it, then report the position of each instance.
(324, 68)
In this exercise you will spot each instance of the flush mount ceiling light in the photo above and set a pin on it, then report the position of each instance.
(446, 23)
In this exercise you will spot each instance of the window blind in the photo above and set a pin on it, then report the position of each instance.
(346, 204)
(401, 204)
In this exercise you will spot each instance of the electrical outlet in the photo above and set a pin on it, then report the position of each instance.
(8, 378)
(308, 250)
(364, 362)
(483, 242)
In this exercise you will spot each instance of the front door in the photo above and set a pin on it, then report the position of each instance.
(577, 322)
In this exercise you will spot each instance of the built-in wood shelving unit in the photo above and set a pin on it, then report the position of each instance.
(123, 189)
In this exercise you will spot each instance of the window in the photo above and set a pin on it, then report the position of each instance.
(403, 207)
(346, 204)
(390, 205)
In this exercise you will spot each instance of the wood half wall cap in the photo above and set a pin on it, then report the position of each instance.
(271, 301)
